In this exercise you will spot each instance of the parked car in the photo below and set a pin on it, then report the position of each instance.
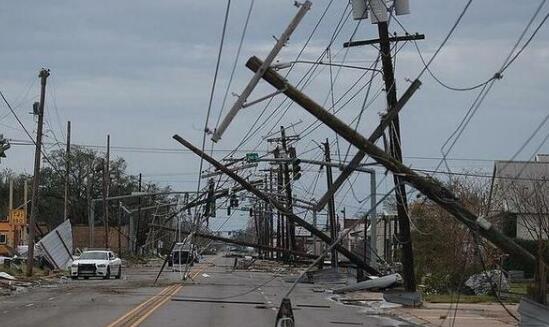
(183, 253)
(96, 264)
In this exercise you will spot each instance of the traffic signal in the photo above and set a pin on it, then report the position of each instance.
(296, 164)
(4, 145)
(233, 201)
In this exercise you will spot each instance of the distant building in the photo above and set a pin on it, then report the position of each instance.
(522, 188)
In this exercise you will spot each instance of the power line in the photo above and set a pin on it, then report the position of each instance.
(214, 82)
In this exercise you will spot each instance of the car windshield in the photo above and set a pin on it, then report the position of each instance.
(94, 255)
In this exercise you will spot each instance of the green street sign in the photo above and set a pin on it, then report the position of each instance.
(253, 156)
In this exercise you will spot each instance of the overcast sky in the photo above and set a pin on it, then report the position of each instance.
(142, 71)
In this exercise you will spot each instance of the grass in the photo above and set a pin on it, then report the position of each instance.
(517, 290)
(450, 298)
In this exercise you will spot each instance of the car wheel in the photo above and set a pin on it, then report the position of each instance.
(74, 277)
(119, 273)
(108, 274)
(86, 277)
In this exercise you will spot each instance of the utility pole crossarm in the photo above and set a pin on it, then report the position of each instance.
(430, 187)
(408, 37)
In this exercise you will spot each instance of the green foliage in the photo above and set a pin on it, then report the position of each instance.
(85, 183)
(445, 251)
(517, 263)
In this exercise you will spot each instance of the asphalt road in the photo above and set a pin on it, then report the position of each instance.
(216, 296)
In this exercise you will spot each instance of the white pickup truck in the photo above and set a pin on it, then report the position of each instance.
(96, 264)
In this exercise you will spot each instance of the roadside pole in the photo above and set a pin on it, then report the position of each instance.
(44, 73)
(67, 169)
(106, 175)
(331, 204)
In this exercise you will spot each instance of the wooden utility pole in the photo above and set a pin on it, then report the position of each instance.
(281, 230)
(290, 225)
(331, 203)
(430, 187)
(271, 217)
(138, 224)
(405, 238)
(10, 200)
(44, 73)
(26, 197)
(106, 178)
(120, 229)
(67, 170)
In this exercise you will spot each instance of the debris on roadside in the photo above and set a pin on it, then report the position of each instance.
(485, 282)
(4, 275)
(258, 265)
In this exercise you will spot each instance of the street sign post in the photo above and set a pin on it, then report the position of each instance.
(17, 217)
(252, 157)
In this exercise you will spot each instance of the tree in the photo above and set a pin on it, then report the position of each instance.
(526, 194)
(445, 250)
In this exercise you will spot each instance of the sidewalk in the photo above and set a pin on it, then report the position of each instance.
(436, 314)
(442, 314)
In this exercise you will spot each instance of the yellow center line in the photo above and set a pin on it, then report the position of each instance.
(156, 302)
(158, 305)
(161, 293)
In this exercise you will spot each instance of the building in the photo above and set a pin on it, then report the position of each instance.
(522, 188)
(12, 232)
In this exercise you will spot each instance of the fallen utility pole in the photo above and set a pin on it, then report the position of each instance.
(238, 242)
(430, 187)
(344, 251)
(44, 73)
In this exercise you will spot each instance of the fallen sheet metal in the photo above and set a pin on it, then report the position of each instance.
(56, 246)
(4, 275)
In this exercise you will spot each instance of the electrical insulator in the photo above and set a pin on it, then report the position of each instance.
(378, 11)
(360, 9)
(4, 145)
(402, 7)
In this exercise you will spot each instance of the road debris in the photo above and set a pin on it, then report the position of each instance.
(376, 283)
(6, 276)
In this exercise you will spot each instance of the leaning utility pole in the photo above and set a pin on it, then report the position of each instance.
(430, 187)
(44, 73)
(331, 203)
(67, 169)
(243, 97)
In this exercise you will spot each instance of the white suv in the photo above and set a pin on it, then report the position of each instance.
(96, 264)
